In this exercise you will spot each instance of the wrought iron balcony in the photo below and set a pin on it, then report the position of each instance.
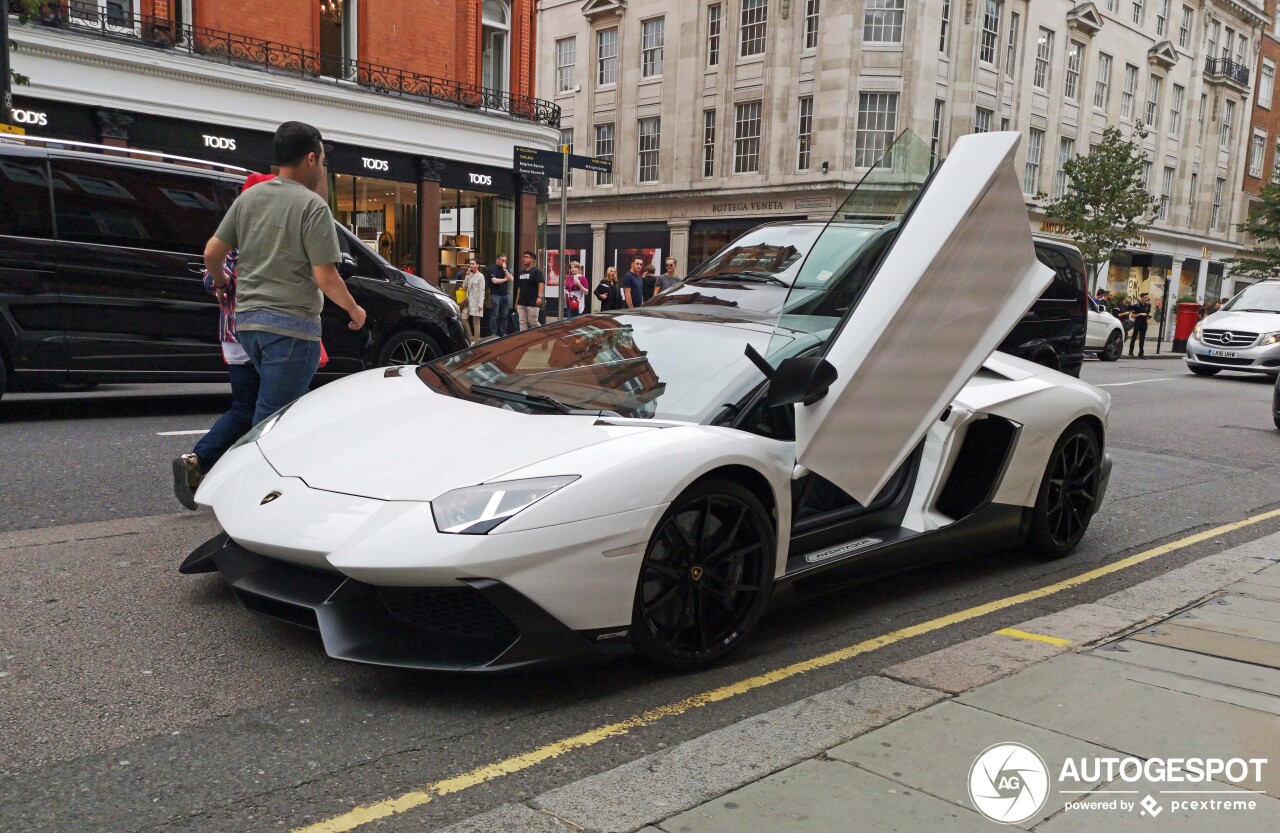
(1226, 70)
(279, 58)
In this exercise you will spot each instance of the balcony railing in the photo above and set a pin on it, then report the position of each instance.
(1227, 69)
(280, 58)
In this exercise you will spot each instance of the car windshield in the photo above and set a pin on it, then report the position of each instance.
(1261, 297)
(650, 364)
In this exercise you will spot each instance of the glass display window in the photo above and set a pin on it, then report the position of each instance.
(383, 213)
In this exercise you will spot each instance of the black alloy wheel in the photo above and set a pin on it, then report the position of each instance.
(1113, 348)
(706, 577)
(1201, 370)
(1068, 493)
(411, 347)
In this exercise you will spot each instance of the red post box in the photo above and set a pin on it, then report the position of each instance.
(1188, 317)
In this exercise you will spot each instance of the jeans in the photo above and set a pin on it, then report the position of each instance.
(285, 365)
(232, 425)
(500, 306)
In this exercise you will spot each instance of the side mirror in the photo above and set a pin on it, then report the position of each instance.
(347, 267)
(800, 380)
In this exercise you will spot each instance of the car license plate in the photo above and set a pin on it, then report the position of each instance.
(1223, 354)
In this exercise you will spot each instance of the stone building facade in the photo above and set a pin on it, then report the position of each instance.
(721, 114)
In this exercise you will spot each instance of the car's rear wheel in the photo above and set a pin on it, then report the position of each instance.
(706, 577)
(1201, 370)
(1113, 348)
(408, 347)
(1068, 493)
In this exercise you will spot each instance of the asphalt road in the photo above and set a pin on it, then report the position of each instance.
(136, 699)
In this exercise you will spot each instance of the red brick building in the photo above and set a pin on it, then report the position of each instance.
(423, 102)
(1263, 164)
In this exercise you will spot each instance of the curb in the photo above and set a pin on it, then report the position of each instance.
(662, 784)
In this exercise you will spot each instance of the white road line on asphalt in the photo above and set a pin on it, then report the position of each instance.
(181, 433)
(1139, 382)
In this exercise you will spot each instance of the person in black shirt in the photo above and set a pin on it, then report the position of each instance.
(500, 295)
(649, 282)
(529, 287)
(1139, 313)
(633, 284)
(609, 292)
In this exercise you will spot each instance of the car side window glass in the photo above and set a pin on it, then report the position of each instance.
(367, 265)
(137, 207)
(24, 198)
(1062, 287)
(226, 193)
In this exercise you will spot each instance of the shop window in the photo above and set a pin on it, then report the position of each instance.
(495, 46)
(473, 224)
(383, 214)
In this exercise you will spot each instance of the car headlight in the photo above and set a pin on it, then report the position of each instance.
(475, 510)
(1270, 338)
(1196, 331)
(260, 430)
(451, 304)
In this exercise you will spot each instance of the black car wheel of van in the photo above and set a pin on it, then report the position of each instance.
(1201, 370)
(1068, 493)
(408, 347)
(1113, 348)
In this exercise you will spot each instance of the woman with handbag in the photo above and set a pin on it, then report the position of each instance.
(575, 291)
(609, 292)
(473, 304)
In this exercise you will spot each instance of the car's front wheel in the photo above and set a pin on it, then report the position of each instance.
(408, 347)
(1113, 348)
(706, 577)
(1068, 493)
(1201, 370)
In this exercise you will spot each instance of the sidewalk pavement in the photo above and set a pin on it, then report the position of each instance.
(1195, 672)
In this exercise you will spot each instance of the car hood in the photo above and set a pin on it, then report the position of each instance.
(1253, 322)
(384, 434)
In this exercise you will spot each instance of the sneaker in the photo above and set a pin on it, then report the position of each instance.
(186, 478)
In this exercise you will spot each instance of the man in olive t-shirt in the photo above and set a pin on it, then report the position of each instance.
(288, 255)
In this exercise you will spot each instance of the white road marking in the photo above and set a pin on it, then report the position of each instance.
(181, 433)
(1139, 382)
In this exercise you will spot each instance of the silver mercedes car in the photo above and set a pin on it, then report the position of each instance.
(1244, 335)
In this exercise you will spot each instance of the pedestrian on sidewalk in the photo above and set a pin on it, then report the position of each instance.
(668, 278)
(1139, 313)
(649, 283)
(609, 292)
(575, 291)
(633, 283)
(473, 284)
(500, 280)
(529, 288)
(288, 264)
(190, 468)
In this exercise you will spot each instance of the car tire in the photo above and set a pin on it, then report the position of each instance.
(1201, 370)
(693, 606)
(408, 347)
(1068, 493)
(1113, 348)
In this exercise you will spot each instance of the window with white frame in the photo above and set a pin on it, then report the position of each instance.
(877, 125)
(1242, 47)
(804, 144)
(1071, 82)
(1066, 150)
(648, 147)
(1257, 149)
(982, 120)
(1031, 173)
(746, 138)
(1203, 99)
(1228, 116)
(708, 143)
(566, 57)
(1011, 48)
(882, 21)
(604, 150)
(1266, 83)
(944, 33)
(652, 35)
(114, 15)
(1154, 88)
(935, 135)
(1044, 59)
(607, 56)
(713, 35)
(1175, 109)
(1162, 17)
(811, 24)
(1184, 30)
(1111, 5)
(753, 22)
(1102, 84)
(1129, 92)
(1211, 32)
(1275, 164)
(1191, 198)
(1145, 175)
(1228, 36)
(1139, 11)
(1166, 193)
(990, 32)
(1215, 215)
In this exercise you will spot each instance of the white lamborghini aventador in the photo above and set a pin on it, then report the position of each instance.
(650, 480)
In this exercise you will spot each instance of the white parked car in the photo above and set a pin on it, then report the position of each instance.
(1105, 333)
(1244, 335)
(650, 480)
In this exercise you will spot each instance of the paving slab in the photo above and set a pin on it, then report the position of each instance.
(1187, 585)
(1266, 702)
(972, 663)
(1240, 675)
(1099, 701)
(1253, 588)
(1218, 620)
(933, 750)
(823, 797)
(1168, 818)
(664, 783)
(511, 817)
(1246, 606)
(1269, 577)
(1211, 643)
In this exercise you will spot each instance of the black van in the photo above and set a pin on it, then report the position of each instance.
(101, 258)
(1051, 333)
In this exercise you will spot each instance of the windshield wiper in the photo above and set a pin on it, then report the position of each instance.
(757, 277)
(535, 399)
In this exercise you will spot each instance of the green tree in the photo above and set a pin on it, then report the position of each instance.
(1262, 258)
(1105, 207)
